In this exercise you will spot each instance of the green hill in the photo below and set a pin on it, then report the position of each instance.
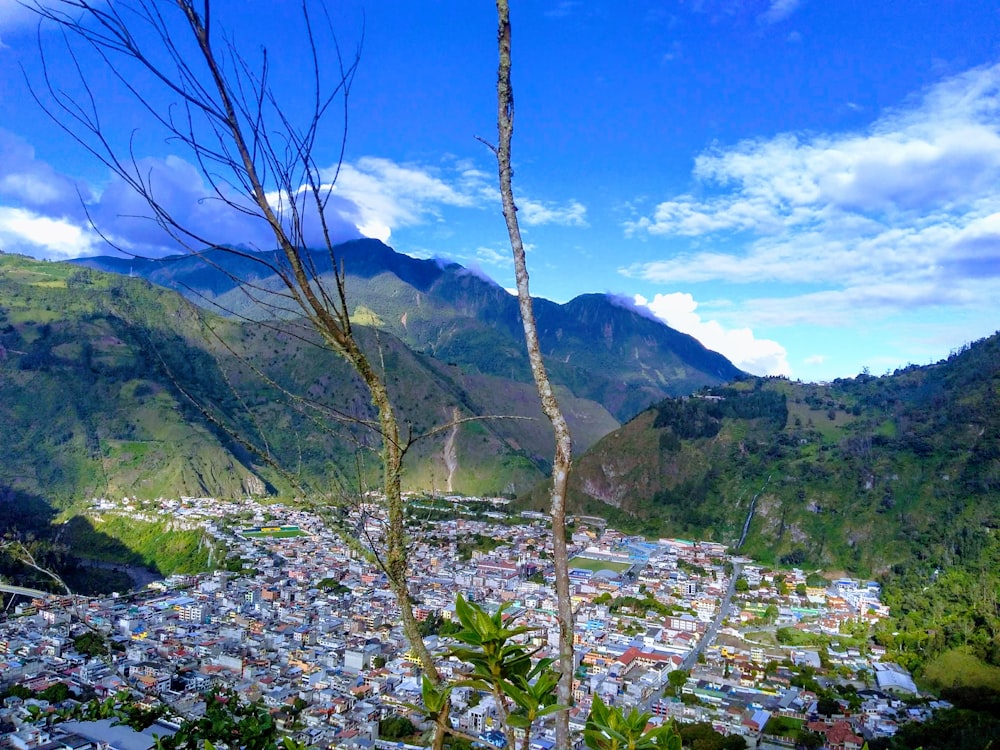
(112, 387)
(858, 473)
(895, 476)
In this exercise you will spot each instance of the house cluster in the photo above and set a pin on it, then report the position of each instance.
(308, 626)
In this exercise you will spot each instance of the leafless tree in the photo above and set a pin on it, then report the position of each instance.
(257, 160)
(563, 458)
(261, 164)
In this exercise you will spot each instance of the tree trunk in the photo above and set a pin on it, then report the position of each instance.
(562, 461)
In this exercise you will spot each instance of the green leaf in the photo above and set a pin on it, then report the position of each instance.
(519, 721)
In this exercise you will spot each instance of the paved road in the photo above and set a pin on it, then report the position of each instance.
(713, 629)
(724, 605)
(706, 639)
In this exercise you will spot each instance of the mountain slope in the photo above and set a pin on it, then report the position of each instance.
(861, 473)
(111, 386)
(598, 349)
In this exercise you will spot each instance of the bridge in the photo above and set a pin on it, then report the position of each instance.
(23, 591)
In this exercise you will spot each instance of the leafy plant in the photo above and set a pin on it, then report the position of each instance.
(525, 687)
(227, 719)
(503, 665)
(610, 728)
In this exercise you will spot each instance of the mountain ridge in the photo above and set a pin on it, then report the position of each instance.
(438, 307)
(126, 372)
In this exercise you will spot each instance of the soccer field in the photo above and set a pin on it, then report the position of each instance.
(587, 563)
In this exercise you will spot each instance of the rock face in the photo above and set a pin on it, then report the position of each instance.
(254, 486)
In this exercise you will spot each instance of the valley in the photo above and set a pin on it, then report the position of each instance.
(115, 388)
(679, 627)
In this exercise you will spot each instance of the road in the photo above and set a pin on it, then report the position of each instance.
(33, 593)
(713, 629)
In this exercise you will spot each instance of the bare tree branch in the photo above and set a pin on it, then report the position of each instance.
(254, 159)
(563, 459)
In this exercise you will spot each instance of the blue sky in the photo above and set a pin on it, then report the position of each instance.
(810, 188)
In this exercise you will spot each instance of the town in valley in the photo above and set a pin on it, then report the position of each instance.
(299, 619)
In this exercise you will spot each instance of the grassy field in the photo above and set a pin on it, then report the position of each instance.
(585, 563)
(784, 726)
(764, 637)
(957, 669)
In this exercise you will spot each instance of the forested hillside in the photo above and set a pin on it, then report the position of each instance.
(895, 476)
(112, 386)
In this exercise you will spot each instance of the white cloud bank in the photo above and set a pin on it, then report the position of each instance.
(46, 214)
(739, 345)
(901, 216)
(59, 238)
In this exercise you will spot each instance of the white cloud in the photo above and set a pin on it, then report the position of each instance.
(911, 206)
(28, 181)
(493, 257)
(739, 345)
(535, 213)
(24, 231)
(372, 197)
(815, 359)
(778, 10)
(390, 195)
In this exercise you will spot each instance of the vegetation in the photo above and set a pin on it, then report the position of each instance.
(702, 736)
(91, 644)
(395, 727)
(784, 726)
(477, 543)
(795, 637)
(900, 485)
(435, 624)
(676, 679)
(641, 607)
(587, 563)
(156, 544)
(332, 585)
(227, 717)
(949, 616)
(957, 668)
(275, 534)
(702, 416)
(972, 724)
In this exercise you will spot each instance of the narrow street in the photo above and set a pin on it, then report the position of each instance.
(709, 635)
(712, 630)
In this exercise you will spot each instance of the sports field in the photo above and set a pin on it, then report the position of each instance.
(280, 532)
(587, 563)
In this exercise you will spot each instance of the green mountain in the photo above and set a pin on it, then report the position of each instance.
(861, 473)
(111, 386)
(597, 347)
